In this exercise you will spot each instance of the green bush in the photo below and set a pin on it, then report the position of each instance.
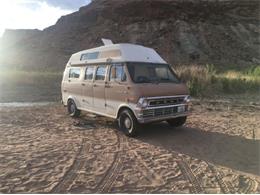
(239, 85)
(254, 71)
(211, 70)
(205, 81)
(195, 87)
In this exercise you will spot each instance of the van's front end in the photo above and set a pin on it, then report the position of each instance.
(159, 94)
(152, 109)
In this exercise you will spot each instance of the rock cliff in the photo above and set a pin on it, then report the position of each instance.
(220, 32)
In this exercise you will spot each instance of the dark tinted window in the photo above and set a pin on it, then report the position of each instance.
(89, 73)
(117, 73)
(151, 73)
(101, 73)
(74, 73)
(89, 56)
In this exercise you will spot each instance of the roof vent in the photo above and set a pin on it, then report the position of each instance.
(107, 42)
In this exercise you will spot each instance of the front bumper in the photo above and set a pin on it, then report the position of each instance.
(156, 114)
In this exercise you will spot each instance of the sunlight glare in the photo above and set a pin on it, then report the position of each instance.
(28, 14)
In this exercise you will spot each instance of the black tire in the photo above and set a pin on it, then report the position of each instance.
(177, 122)
(128, 123)
(72, 109)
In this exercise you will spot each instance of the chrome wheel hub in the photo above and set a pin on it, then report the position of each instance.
(72, 108)
(127, 123)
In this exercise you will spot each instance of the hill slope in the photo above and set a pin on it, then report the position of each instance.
(223, 32)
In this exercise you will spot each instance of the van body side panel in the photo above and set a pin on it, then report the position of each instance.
(99, 99)
(116, 91)
(116, 95)
(72, 88)
(99, 96)
(87, 94)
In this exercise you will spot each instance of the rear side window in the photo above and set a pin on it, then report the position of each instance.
(117, 73)
(89, 73)
(89, 56)
(101, 73)
(74, 73)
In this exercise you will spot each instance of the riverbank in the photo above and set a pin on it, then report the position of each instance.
(24, 86)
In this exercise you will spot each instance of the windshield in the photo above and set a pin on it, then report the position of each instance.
(151, 73)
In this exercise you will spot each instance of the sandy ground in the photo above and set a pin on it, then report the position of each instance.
(44, 150)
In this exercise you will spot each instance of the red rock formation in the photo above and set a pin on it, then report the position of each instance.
(221, 32)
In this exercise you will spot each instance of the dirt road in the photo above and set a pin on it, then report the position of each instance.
(43, 150)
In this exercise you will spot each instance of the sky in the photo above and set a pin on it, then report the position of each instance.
(35, 14)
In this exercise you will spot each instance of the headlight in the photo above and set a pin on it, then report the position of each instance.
(142, 103)
(187, 99)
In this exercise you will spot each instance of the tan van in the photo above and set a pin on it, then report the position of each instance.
(127, 82)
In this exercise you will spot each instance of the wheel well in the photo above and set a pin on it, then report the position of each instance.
(70, 99)
(124, 108)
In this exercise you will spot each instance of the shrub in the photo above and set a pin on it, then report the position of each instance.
(239, 85)
(254, 71)
(204, 80)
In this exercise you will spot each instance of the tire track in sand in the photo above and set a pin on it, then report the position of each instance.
(223, 186)
(189, 175)
(68, 178)
(249, 188)
(228, 188)
(111, 175)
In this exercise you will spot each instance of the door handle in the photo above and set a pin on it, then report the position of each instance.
(83, 84)
(94, 85)
(108, 86)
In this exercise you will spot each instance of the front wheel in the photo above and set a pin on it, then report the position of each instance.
(72, 109)
(128, 123)
(177, 122)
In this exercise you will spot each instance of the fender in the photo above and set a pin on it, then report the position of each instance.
(129, 106)
(74, 99)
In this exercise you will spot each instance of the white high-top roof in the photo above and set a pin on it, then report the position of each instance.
(118, 53)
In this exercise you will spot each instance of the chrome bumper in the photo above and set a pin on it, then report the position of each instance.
(153, 114)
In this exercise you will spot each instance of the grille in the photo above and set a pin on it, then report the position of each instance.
(157, 112)
(166, 102)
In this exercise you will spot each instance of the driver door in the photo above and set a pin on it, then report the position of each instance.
(116, 88)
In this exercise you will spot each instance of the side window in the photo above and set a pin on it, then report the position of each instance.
(74, 73)
(89, 73)
(89, 56)
(101, 73)
(117, 73)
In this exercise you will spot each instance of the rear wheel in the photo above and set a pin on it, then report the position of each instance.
(128, 123)
(72, 109)
(177, 122)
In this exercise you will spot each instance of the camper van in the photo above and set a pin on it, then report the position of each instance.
(129, 83)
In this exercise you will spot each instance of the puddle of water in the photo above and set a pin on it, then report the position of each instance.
(24, 104)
